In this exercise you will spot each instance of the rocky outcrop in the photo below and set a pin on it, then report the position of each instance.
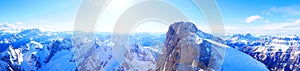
(188, 49)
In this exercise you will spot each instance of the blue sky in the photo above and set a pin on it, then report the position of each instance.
(240, 16)
(56, 13)
(239, 9)
(262, 16)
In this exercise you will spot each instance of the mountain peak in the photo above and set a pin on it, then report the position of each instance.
(182, 27)
(30, 32)
(186, 48)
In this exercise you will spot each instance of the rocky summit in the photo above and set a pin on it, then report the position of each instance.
(186, 48)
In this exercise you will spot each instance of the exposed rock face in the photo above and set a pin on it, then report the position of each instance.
(186, 48)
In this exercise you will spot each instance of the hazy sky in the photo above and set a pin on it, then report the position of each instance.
(251, 16)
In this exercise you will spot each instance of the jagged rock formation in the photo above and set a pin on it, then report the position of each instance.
(32, 50)
(186, 48)
(276, 52)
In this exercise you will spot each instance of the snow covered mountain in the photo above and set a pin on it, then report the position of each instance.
(276, 52)
(183, 47)
(32, 49)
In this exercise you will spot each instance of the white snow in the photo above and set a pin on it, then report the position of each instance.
(238, 61)
(217, 43)
(60, 62)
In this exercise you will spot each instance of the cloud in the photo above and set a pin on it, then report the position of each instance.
(272, 28)
(37, 21)
(19, 23)
(6, 25)
(297, 21)
(293, 10)
(41, 21)
(293, 25)
(252, 18)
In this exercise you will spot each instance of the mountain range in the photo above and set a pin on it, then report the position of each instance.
(183, 47)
